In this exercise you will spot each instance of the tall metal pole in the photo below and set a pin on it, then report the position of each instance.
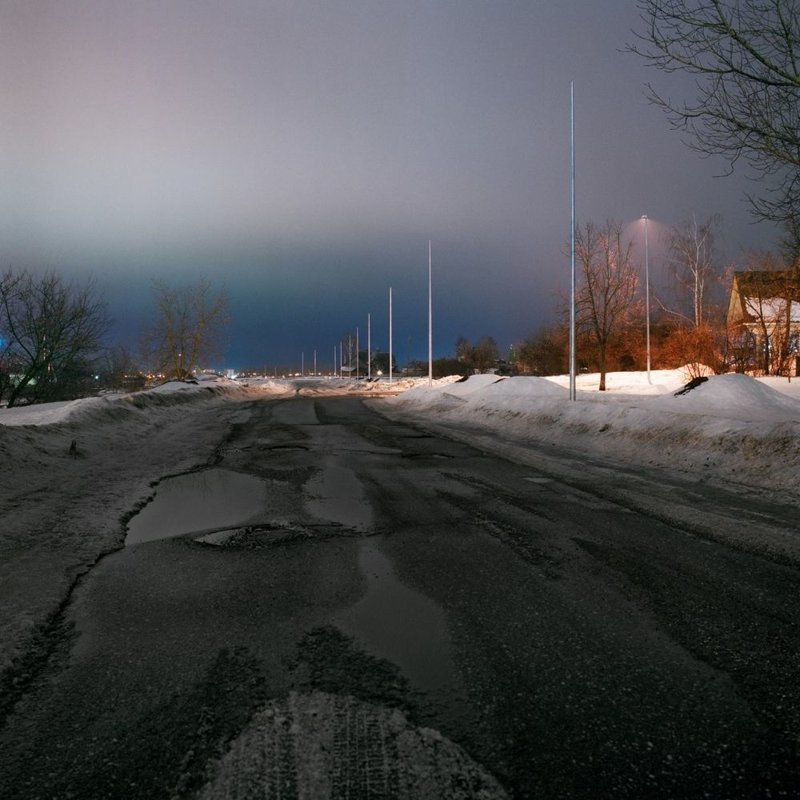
(315, 363)
(369, 346)
(647, 295)
(390, 334)
(430, 318)
(358, 354)
(572, 358)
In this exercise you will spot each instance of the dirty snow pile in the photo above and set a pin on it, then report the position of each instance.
(319, 385)
(730, 428)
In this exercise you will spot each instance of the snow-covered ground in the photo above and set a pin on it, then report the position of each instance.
(730, 429)
(59, 513)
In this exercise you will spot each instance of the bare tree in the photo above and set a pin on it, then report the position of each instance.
(120, 371)
(544, 352)
(485, 354)
(744, 56)
(7, 282)
(692, 260)
(51, 332)
(188, 326)
(790, 240)
(349, 354)
(696, 349)
(465, 352)
(609, 279)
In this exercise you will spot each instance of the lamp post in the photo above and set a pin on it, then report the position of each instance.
(647, 296)
(430, 319)
(572, 323)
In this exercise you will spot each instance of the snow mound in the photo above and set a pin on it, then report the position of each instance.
(733, 397)
(268, 385)
(733, 427)
(42, 414)
(659, 381)
(420, 392)
(116, 406)
(474, 383)
(479, 391)
(521, 389)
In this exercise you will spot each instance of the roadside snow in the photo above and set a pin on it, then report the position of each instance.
(731, 428)
(60, 512)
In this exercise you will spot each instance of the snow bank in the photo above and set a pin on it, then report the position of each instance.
(475, 383)
(62, 508)
(729, 428)
(733, 397)
(112, 406)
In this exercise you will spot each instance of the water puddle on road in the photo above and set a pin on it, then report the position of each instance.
(336, 494)
(399, 624)
(198, 501)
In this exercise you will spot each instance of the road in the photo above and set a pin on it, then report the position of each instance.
(357, 596)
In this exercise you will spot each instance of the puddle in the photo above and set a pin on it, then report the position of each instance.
(398, 623)
(336, 495)
(199, 501)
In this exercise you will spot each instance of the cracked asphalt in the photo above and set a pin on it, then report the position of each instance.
(496, 630)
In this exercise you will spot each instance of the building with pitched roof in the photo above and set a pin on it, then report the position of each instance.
(764, 313)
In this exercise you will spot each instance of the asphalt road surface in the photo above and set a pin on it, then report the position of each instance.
(347, 606)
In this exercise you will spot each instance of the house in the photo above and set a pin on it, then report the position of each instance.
(764, 314)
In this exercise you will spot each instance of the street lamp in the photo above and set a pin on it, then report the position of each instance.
(647, 295)
(573, 394)
(430, 319)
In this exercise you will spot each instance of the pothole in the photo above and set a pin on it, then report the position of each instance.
(335, 494)
(399, 624)
(254, 537)
(204, 501)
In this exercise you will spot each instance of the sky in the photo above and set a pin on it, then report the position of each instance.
(301, 155)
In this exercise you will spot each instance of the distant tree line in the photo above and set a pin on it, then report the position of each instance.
(743, 57)
(187, 328)
(690, 321)
(54, 337)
